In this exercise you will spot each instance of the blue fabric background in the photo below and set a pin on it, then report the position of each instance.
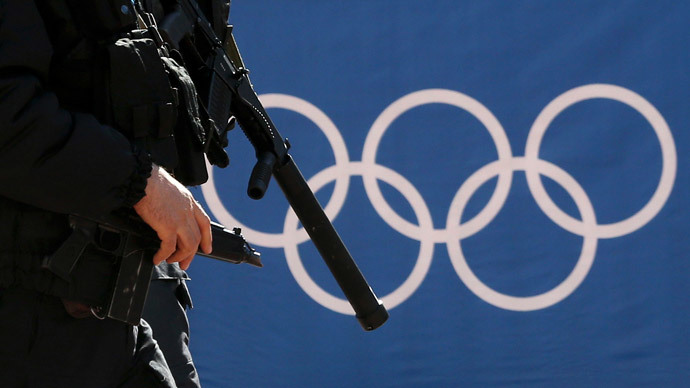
(625, 325)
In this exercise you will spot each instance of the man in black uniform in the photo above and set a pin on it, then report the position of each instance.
(65, 148)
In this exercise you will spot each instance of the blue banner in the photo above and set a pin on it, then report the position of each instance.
(509, 176)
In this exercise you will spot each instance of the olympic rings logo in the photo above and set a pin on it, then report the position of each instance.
(455, 231)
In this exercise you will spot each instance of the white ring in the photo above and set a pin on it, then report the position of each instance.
(584, 263)
(650, 113)
(423, 97)
(426, 249)
(308, 110)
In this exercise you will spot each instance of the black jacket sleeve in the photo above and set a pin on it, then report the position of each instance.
(49, 157)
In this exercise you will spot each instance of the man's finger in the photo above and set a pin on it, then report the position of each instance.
(184, 264)
(178, 256)
(167, 248)
(204, 224)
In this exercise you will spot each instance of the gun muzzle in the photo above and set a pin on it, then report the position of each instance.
(231, 247)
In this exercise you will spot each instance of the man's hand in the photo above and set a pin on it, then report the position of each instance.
(181, 224)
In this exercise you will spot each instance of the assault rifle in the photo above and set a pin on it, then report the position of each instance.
(128, 237)
(222, 80)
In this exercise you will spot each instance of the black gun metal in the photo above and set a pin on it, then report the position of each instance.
(221, 72)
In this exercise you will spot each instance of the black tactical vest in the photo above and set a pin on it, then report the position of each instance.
(109, 63)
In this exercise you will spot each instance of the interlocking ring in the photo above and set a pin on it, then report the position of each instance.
(371, 172)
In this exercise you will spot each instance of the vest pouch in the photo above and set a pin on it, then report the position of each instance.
(190, 133)
(143, 103)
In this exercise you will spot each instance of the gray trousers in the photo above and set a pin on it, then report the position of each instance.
(165, 309)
